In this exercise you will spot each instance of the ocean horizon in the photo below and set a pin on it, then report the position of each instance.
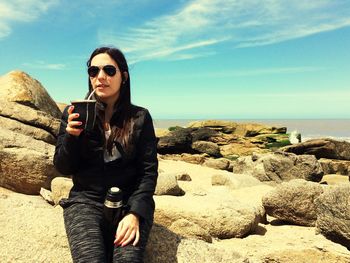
(338, 129)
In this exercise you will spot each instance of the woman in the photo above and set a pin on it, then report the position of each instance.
(119, 151)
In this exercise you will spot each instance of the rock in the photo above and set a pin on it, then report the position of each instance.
(167, 185)
(221, 163)
(189, 158)
(331, 166)
(254, 129)
(220, 179)
(183, 177)
(234, 181)
(293, 202)
(29, 116)
(186, 228)
(26, 164)
(61, 106)
(243, 180)
(334, 179)
(241, 148)
(333, 214)
(60, 188)
(279, 166)
(47, 195)
(161, 132)
(177, 141)
(203, 134)
(165, 246)
(18, 87)
(30, 220)
(162, 245)
(218, 125)
(241, 129)
(304, 256)
(25, 100)
(222, 216)
(322, 148)
(31, 131)
(209, 148)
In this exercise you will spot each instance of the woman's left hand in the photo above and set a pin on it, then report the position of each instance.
(128, 230)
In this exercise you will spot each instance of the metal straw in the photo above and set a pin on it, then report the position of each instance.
(91, 94)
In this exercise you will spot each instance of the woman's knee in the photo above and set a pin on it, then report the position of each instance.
(128, 254)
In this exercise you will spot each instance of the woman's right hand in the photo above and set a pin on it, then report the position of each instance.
(71, 123)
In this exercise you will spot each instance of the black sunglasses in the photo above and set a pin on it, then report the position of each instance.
(110, 70)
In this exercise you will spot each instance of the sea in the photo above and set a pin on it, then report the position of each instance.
(338, 129)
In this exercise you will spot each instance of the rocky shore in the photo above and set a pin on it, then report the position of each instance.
(226, 192)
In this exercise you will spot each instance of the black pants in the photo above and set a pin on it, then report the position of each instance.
(87, 236)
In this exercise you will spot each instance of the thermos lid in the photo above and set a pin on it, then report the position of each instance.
(114, 189)
(114, 194)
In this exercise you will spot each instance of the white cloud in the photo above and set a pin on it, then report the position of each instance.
(44, 65)
(264, 71)
(200, 25)
(22, 11)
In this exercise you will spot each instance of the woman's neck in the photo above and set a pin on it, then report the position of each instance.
(109, 112)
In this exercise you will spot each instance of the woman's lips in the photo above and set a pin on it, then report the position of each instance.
(102, 86)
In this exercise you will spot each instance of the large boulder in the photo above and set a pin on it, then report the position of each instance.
(331, 166)
(186, 228)
(26, 164)
(25, 100)
(31, 131)
(242, 147)
(293, 202)
(164, 246)
(322, 148)
(221, 163)
(304, 256)
(177, 141)
(203, 134)
(234, 181)
(333, 214)
(279, 167)
(209, 148)
(29, 121)
(222, 217)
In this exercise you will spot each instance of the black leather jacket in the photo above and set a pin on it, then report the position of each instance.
(135, 173)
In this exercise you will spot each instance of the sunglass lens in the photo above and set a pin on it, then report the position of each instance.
(93, 71)
(110, 70)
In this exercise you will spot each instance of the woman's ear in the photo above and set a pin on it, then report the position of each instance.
(126, 76)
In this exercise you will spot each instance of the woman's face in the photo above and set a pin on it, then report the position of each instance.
(107, 87)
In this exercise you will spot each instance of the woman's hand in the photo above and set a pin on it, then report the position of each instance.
(71, 123)
(128, 230)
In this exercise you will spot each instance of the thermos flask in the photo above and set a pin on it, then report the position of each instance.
(113, 205)
(112, 210)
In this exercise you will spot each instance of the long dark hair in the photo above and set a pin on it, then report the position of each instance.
(121, 123)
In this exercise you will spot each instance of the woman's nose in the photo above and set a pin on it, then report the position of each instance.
(101, 74)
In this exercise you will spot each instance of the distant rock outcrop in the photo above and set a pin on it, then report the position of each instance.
(279, 167)
(322, 148)
(331, 166)
(222, 138)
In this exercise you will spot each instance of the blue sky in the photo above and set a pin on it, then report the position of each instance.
(226, 59)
